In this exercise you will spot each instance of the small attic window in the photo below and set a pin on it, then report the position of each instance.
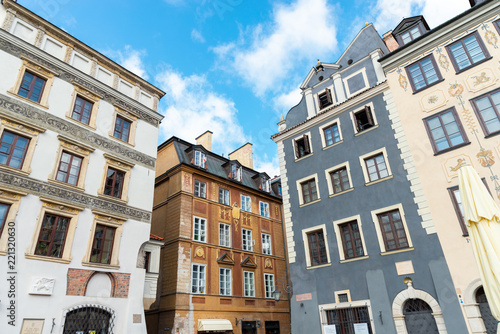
(325, 99)
(236, 172)
(265, 184)
(200, 159)
(411, 34)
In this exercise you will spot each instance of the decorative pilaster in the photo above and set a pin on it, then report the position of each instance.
(379, 71)
(339, 88)
(311, 110)
(9, 18)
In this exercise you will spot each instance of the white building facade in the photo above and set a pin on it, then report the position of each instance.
(78, 136)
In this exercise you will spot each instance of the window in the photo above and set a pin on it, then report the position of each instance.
(249, 284)
(224, 235)
(13, 148)
(266, 244)
(363, 119)
(265, 184)
(340, 180)
(200, 229)
(325, 99)
(224, 282)
(411, 34)
(393, 231)
(302, 147)
(200, 159)
(32, 87)
(114, 182)
(457, 204)
(445, 131)
(467, 52)
(82, 110)
(487, 108)
(223, 196)
(332, 134)
(198, 278)
(245, 203)
(264, 209)
(147, 261)
(423, 73)
(247, 240)
(351, 240)
(4, 210)
(52, 235)
(345, 318)
(236, 172)
(69, 168)
(103, 244)
(309, 191)
(269, 285)
(122, 128)
(200, 189)
(497, 25)
(376, 167)
(317, 248)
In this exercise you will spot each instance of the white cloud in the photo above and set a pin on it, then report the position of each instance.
(271, 167)
(129, 58)
(389, 13)
(192, 107)
(197, 36)
(285, 101)
(265, 55)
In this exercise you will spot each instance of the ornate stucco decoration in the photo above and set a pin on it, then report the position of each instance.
(268, 264)
(199, 252)
(480, 79)
(236, 215)
(433, 100)
(42, 286)
(451, 165)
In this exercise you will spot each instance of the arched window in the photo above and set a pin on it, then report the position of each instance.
(89, 319)
(419, 318)
(489, 321)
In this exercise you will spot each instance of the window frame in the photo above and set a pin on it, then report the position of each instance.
(329, 125)
(115, 184)
(81, 92)
(427, 85)
(307, 149)
(481, 45)
(362, 159)
(250, 277)
(119, 165)
(200, 229)
(265, 206)
(225, 238)
(246, 203)
(400, 35)
(13, 148)
(40, 71)
(496, 24)
(101, 251)
(51, 241)
(199, 279)
(480, 118)
(13, 200)
(300, 190)
(202, 189)
(268, 241)
(227, 281)
(225, 196)
(329, 98)
(459, 125)
(378, 228)
(373, 118)
(269, 285)
(329, 178)
(340, 244)
(305, 240)
(129, 117)
(456, 206)
(203, 159)
(247, 241)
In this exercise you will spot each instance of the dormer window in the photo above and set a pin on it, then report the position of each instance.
(236, 172)
(410, 35)
(325, 99)
(200, 159)
(409, 29)
(266, 184)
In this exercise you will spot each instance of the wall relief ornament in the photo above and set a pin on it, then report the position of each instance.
(451, 165)
(268, 264)
(444, 62)
(403, 82)
(485, 158)
(199, 252)
(481, 79)
(491, 38)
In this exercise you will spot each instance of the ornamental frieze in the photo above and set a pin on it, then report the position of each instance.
(42, 118)
(44, 189)
(66, 76)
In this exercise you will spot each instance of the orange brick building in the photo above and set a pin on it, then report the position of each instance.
(224, 254)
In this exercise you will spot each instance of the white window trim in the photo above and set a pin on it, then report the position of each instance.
(250, 274)
(203, 159)
(358, 109)
(351, 304)
(260, 209)
(365, 171)
(204, 230)
(329, 178)
(249, 201)
(229, 235)
(228, 196)
(365, 79)
(201, 183)
(338, 235)
(308, 134)
(268, 236)
(299, 188)
(205, 280)
(230, 282)
(379, 232)
(322, 132)
(306, 244)
(332, 93)
(342, 292)
(272, 288)
(250, 242)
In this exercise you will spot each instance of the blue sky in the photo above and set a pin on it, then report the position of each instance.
(229, 66)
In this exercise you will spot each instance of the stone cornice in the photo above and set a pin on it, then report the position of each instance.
(19, 48)
(17, 182)
(19, 110)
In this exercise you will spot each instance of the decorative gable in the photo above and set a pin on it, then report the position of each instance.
(248, 262)
(225, 259)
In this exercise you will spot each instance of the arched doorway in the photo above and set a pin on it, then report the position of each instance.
(89, 319)
(419, 318)
(489, 321)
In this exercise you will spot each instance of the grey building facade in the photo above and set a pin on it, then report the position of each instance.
(364, 254)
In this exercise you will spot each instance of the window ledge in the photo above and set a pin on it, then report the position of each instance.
(122, 141)
(46, 258)
(398, 251)
(309, 203)
(365, 131)
(119, 200)
(38, 104)
(342, 192)
(334, 144)
(64, 184)
(16, 170)
(473, 65)
(379, 180)
(100, 265)
(424, 88)
(81, 123)
(319, 266)
(355, 259)
(304, 157)
(449, 149)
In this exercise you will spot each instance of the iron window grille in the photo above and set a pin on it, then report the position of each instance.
(13, 148)
(89, 319)
(345, 318)
(32, 87)
(467, 52)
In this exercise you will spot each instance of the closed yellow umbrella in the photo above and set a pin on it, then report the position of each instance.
(482, 217)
